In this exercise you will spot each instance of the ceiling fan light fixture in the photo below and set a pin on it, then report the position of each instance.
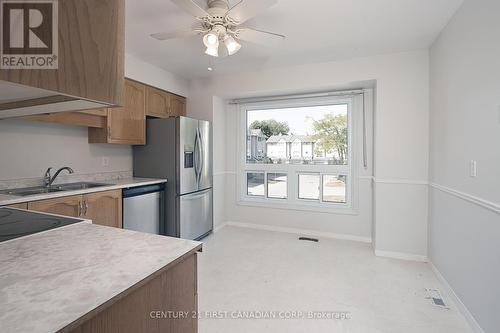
(232, 45)
(220, 24)
(211, 40)
(212, 51)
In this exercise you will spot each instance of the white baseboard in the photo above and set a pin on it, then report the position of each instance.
(456, 300)
(219, 227)
(401, 255)
(304, 232)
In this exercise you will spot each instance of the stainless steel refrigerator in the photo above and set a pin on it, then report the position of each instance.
(180, 149)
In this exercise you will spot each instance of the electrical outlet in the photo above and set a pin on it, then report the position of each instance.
(473, 168)
(105, 161)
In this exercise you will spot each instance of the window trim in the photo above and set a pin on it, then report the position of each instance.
(292, 201)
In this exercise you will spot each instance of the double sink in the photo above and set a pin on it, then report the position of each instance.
(23, 192)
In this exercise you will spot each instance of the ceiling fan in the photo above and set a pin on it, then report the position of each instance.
(220, 24)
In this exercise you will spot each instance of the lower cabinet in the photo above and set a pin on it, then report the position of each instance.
(172, 290)
(67, 206)
(103, 208)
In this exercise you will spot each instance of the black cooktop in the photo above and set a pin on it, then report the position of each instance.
(16, 223)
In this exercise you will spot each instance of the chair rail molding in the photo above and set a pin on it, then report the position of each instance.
(400, 181)
(494, 207)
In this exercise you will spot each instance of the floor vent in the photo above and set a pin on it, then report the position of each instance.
(437, 299)
(309, 239)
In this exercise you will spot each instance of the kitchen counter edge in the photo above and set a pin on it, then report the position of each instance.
(6, 200)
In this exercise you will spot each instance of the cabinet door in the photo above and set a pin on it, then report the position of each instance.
(104, 208)
(127, 125)
(178, 105)
(67, 206)
(91, 54)
(157, 103)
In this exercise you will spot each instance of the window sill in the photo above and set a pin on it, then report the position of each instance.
(274, 204)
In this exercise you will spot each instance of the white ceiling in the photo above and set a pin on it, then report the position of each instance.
(316, 30)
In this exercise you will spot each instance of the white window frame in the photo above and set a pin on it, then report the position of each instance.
(354, 116)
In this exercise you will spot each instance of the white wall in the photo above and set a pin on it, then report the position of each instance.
(465, 125)
(219, 136)
(401, 144)
(27, 148)
(144, 72)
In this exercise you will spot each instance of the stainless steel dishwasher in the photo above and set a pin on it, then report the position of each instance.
(143, 209)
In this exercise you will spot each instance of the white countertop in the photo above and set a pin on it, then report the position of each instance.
(50, 279)
(113, 185)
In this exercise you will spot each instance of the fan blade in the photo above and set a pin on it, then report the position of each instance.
(258, 36)
(191, 7)
(246, 9)
(174, 34)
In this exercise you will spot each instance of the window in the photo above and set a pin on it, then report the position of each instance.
(255, 184)
(309, 185)
(334, 188)
(298, 153)
(277, 185)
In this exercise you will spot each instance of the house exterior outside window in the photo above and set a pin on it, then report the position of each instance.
(256, 145)
(290, 147)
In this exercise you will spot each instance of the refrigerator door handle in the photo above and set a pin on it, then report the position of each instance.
(196, 158)
(202, 158)
(198, 148)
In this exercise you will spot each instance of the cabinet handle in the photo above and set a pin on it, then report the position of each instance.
(86, 207)
(80, 208)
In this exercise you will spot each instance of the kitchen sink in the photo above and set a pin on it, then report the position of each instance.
(78, 186)
(23, 192)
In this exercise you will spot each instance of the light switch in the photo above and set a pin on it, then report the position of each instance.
(473, 168)
(105, 161)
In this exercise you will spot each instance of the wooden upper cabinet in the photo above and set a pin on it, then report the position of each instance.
(67, 206)
(104, 208)
(162, 104)
(91, 58)
(95, 112)
(128, 124)
(19, 205)
(125, 125)
(87, 118)
(157, 103)
(178, 105)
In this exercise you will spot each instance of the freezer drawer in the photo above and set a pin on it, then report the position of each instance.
(195, 214)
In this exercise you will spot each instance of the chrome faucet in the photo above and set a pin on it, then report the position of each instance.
(48, 180)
